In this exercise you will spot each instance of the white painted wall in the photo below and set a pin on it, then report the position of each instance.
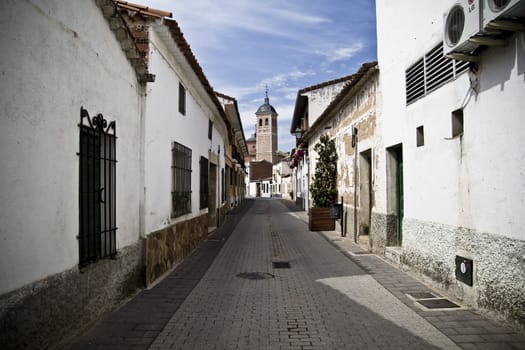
(320, 98)
(51, 66)
(165, 125)
(477, 181)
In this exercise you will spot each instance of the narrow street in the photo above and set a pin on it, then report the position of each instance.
(273, 284)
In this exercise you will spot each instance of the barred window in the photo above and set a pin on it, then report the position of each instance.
(97, 188)
(430, 72)
(181, 180)
(204, 183)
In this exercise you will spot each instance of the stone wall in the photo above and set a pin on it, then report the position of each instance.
(498, 278)
(382, 229)
(48, 313)
(168, 246)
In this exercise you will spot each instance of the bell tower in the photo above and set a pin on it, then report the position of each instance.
(266, 131)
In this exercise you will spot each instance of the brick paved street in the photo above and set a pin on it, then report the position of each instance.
(328, 298)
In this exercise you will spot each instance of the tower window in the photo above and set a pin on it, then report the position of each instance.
(260, 122)
(266, 122)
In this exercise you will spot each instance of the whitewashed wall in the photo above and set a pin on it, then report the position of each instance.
(479, 179)
(165, 125)
(319, 99)
(51, 66)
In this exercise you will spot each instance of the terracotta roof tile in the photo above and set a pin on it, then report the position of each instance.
(143, 10)
(185, 48)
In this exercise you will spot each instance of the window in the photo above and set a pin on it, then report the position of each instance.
(182, 99)
(210, 129)
(203, 183)
(431, 72)
(420, 136)
(260, 122)
(97, 189)
(457, 123)
(180, 179)
(266, 122)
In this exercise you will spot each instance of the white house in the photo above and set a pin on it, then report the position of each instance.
(71, 135)
(281, 178)
(309, 105)
(351, 121)
(186, 139)
(235, 155)
(112, 142)
(454, 132)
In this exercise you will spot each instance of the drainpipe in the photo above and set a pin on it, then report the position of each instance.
(354, 144)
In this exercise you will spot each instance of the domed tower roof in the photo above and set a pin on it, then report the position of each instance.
(266, 107)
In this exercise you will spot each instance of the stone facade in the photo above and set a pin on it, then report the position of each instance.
(498, 278)
(59, 307)
(168, 246)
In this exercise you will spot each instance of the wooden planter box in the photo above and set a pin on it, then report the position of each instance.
(319, 220)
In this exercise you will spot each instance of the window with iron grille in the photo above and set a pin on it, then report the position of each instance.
(180, 179)
(97, 188)
(430, 72)
(182, 99)
(203, 183)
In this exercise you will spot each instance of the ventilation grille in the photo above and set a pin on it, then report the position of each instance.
(431, 72)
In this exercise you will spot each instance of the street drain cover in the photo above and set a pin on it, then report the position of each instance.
(422, 295)
(438, 304)
(281, 265)
(255, 275)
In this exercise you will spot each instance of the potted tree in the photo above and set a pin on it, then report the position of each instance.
(323, 188)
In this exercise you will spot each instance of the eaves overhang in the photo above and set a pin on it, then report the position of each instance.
(177, 38)
(362, 76)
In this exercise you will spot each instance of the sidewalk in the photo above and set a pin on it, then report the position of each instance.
(467, 328)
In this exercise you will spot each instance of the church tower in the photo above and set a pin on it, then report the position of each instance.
(266, 132)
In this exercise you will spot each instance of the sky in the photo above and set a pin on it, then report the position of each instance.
(286, 45)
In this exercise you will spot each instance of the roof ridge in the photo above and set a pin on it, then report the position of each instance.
(145, 10)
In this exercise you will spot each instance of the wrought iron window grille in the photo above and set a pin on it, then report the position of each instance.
(203, 183)
(181, 180)
(97, 188)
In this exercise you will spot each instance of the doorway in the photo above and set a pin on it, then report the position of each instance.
(395, 195)
(365, 192)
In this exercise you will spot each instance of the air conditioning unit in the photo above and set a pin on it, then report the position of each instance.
(461, 22)
(502, 10)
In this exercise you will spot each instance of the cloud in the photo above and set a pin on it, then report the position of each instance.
(344, 53)
(336, 54)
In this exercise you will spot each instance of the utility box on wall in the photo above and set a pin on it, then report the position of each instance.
(464, 270)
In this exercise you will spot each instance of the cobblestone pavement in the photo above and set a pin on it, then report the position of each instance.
(276, 285)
